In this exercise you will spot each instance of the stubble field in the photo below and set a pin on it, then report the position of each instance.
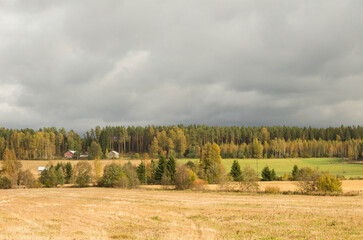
(97, 213)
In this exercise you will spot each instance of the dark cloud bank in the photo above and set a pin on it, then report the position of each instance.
(79, 64)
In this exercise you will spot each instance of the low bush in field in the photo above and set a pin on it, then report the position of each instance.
(27, 179)
(199, 184)
(184, 178)
(51, 177)
(83, 172)
(5, 182)
(309, 180)
(329, 183)
(272, 189)
(249, 180)
(112, 174)
(115, 175)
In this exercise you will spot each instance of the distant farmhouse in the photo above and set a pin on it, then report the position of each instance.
(113, 154)
(41, 169)
(69, 154)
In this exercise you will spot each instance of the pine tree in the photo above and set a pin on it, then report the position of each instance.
(236, 171)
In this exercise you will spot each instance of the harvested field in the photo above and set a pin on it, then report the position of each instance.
(97, 213)
(284, 186)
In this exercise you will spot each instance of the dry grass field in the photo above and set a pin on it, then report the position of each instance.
(96, 213)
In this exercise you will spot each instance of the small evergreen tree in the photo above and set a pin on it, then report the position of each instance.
(236, 171)
(68, 172)
(266, 174)
(60, 176)
(294, 172)
(141, 173)
(171, 168)
(153, 169)
(160, 168)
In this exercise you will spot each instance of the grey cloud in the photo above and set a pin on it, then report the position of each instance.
(80, 64)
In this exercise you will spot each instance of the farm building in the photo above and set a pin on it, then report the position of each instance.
(69, 154)
(83, 157)
(113, 154)
(41, 169)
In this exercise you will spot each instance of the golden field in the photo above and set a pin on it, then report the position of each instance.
(100, 213)
(348, 185)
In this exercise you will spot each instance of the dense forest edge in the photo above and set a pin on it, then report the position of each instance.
(186, 141)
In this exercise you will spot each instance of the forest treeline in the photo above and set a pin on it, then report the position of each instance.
(188, 141)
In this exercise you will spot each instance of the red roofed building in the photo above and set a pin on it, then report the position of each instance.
(69, 154)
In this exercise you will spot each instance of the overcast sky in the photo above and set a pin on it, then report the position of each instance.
(78, 64)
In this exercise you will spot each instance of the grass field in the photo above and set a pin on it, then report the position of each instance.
(336, 166)
(96, 213)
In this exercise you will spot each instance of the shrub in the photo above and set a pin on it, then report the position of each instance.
(112, 174)
(272, 189)
(131, 174)
(184, 178)
(249, 178)
(307, 179)
(137, 156)
(199, 184)
(49, 177)
(215, 173)
(191, 165)
(286, 177)
(27, 179)
(83, 171)
(329, 183)
(5, 182)
(122, 182)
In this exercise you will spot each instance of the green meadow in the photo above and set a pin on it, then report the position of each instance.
(335, 166)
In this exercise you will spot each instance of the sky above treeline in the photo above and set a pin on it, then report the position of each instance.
(78, 64)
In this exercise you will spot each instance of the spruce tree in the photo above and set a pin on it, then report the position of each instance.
(160, 168)
(236, 171)
(141, 173)
(266, 174)
(171, 168)
(68, 172)
(294, 172)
